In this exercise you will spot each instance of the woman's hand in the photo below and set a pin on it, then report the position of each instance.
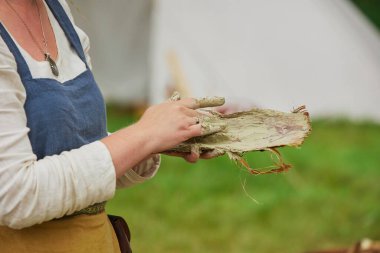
(161, 128)
(193, 157)
(167, 124)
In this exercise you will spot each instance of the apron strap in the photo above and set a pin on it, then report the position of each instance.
(22, 66)
(68, 28)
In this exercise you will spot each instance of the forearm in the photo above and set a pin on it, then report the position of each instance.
(161, 127)
(36, 191)
(128, 147)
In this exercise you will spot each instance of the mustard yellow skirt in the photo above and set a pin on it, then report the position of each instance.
(76, 234)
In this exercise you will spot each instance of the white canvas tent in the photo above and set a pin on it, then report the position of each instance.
(120, 32)
(275, 54)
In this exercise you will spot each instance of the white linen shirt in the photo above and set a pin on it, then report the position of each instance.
(34, 191)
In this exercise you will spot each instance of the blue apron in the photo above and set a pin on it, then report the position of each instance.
(61, 116)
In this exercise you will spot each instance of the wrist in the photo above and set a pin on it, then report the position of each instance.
(130, 143)
(141, 137)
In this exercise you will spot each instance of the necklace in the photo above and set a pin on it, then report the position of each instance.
(53, 65)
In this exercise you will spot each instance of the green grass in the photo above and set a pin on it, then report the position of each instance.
(370, 8)
(329, 199)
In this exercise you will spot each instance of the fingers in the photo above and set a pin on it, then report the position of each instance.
(200, 126)
(189, 112)
(193, 103)
(186, 102)
(211, 154)
(172, 153)
(192, 121)
(190, 103)
(201, 102)
(207, 129)
(193, 157)
(210, 102)
(194, 130)
(189, 157)
(196, 120)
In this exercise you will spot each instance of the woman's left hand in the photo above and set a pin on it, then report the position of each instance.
(193, 157)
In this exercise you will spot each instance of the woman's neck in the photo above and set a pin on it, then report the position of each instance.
(23, 6)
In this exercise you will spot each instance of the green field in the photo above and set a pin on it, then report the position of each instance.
(370, 8)
(329, 199)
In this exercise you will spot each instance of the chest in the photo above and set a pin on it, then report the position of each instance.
(30, 26)
(64, 116)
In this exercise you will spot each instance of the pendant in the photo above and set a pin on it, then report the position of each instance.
(53, 66)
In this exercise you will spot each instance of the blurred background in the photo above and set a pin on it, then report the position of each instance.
(271, 54)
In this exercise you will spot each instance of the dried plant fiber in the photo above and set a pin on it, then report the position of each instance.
(253, 130)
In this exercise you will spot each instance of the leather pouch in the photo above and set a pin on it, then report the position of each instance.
(122, 232)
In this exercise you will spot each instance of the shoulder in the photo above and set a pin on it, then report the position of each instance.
(81, 33)
(83, 37)
(6, 57)
(9, 78)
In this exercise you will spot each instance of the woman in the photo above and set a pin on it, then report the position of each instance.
(58, 165)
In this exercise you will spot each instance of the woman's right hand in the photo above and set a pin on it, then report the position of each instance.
(161, 127)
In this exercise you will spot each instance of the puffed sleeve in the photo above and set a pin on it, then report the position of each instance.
(143, 171)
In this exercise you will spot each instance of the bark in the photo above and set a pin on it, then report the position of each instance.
(247, 131)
